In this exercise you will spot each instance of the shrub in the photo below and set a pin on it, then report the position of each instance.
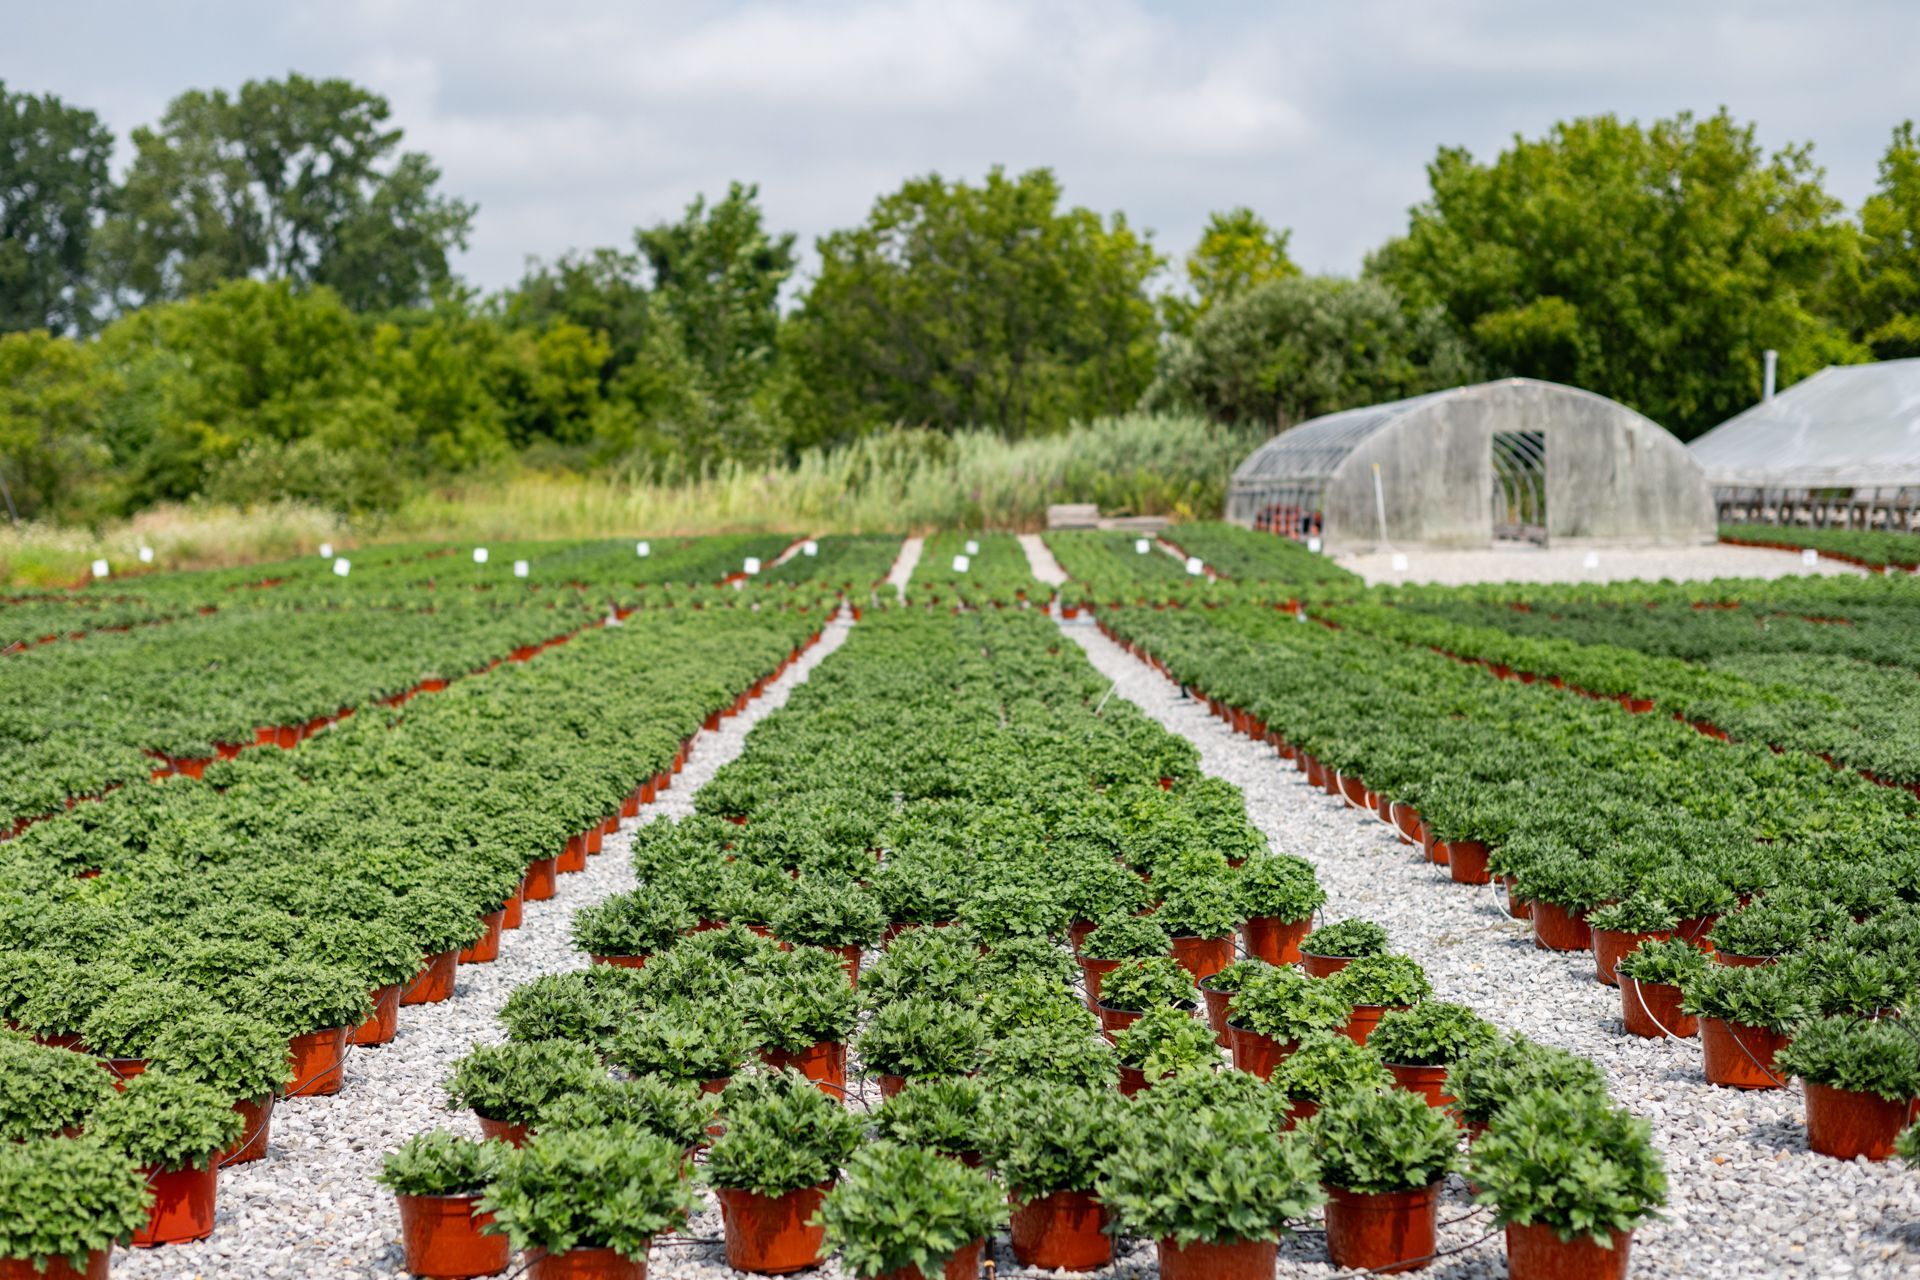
(66, 1198)
(1636, 913)
(1033, 1000)
(1570, 1162)
(1203, 907)
(637, 923)
(1004, 911)
(1381, 980)
(562, 1006)
(241, 1057)
(1347, 939)
(439, 1163)
(1766, 928)
(1057, 1053)
(679, 1110)
(378, 950)
(1861, 1057)
(942, 964)
(781, 1141)
(795, 1009)
(1213, 1174)
(1044, 1137)
(821, 912)
(1672, 963)
(1126, 937)
(1327, 1066)
(1432, 1033)
(922, 1037)
(45, 1090)
(899, 1206)
(299, 996)
(1385, 1140)
(1019, 958)
(944, 1115)
(1146, 983)
(1287, 1006)
(1234, 978)
(1165, 1040)
(589, 1188)
(1568, 881)
(1487, 1080)
(1767, 996)
(167, 1122)
(437, 920)
(683, 1039)
(512, 1082)
(1279, 886)
(126, 1023)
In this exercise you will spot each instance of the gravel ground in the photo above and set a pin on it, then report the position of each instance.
(311, 1208)
(1517, 563)
(905, 563)
(1041, 560)
(1747, 1198)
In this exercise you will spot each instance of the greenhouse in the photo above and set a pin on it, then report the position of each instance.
(1839, 448)
(1515, 460)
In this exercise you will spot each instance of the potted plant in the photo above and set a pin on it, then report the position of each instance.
(1763, 932)
(1330, 948)
(625, 928)
(46, 1092)
(1372, 985)
(1562, 889)
(1383, 1156)
(703, 1040)
(1421, 1044)
(121, 1029)
(944, 1114)
(1002, 911)
(903, 1213)
(506, 1085)
(1026, 999)
(1274, 1012)
(588, 1202)
(1214, 1186)
(1862, 1084)
(441, 923)
(1569, 1178)
(1745, 1015)
(679, 1110)
(1486, 1080)
(316, 1006)
(1219, 989)
(244, 1059)
(576, 1006)
(801, 1017)
(1118, 938)
(1278, 895)
(381, 952)
(920, 1036)
(174, 1129)
(1099, 888)
(1200, 914)
(1622, 927)
(64, 1204)
(1065, 1055)
(1142, 984)
(437, 1179)
(1327, 1066)
(835, 914)
(1160, 1042)
(1651, 980)
(1048, 1141)
(772, 1167)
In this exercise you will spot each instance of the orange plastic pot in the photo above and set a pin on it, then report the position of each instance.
(1517, 907)
(1538, 1253)
(319, 1062)
(890, 1085)
(1844, 1124)
(1555, 928)
(963, 1265)
(487, 948)
(1364, 1018)
(1611, 946)
(572, 858)
(1223, 1260)
(584, 1264)
(851, 954)
(1133, 1080)
(1429, 1082)
(1062, 1231)
(1113, 1021)
(1203, 957)
(97, 1266)
(1467, 861)
(1382, 1231)
(183, 1201)
(383, 1024)
(257, 1113)
(443, 1240)
(1299, 1111)
(1737, 1056)
(513, 1133)
(540, 885)
(124, 1069)
(1077, 934)
(1319, 966)
(593, 838)
(1652, 1010)
(511, 916)
(1094, 971)
(1732, 961)
(620, 962)
(1217, 1007)
(1274, 940)
(1258, 1054)
(434, 982)
(824, 1063)
(772, 1235)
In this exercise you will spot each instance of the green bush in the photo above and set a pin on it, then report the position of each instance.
(922, 1037)
(167, 1122)
(1287, 1006)
(1387, 981)
(590, 1188)
(439, 1163)
(298, 997)
(127, 1023)
(1673, 963)
(781, 1141)
(637, 923)
(900, 1206)
(1570, 1162)
(1386, 1140)
(1126, 937)
(1767, 996)
(794, 1009)
(945, 1114)
(679, 1110)
(684, 1039)
(822, 912)
(1327, 1066)
(1044, 1137)
(512, 1082)
(241, 1057)
(1147, 983)
(1212, 1174)
(1432, 1033)
(1487, 1080)
(1058, 1053)
(1164, 1041)
(1279, 886)
(1347, 939)
(66, 1198)
(45, 1090)
(1861, 1057)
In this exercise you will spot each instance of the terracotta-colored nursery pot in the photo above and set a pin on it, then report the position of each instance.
(1273, 940)
(573, 857)
(1062, 1231)
(1258, 1054)
(1217, 1007)
(1611, 946)
(512, 1132)
(1737, 1056)
(434, 982)
(1094, 971)
(1652, 1010)
(487, 949)
(319, 1062)
(182, 1210)
(890, 1085)
(1364, 1018)
(1113, 1021)
(772, 1235)
(1555, 928)
(540, 882)
(1386, 1231)
(97, 1266)
(252, 1143)
(1319, 966)
(1467, 862)
(1429, 1082)
(963, 1265)
(1203, 957)
(584, 1264)
(1538, 1253)
(620, 962)
(515, 909)
(443, 1240)
(1227, 1260)
(1844, 1124)
(1133, 1080)
(824, 1063)
(383, 1024)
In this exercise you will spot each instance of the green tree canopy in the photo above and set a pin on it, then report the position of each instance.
(51, 394)
(988, 305)
(1237, 251)
(291, 179)
(1889, 306)
(53, 186)
(1298, 347)
(1653, 265)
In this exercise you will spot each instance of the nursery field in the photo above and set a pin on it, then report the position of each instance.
(711, 904)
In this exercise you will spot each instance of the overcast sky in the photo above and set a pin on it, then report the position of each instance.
(571, 122)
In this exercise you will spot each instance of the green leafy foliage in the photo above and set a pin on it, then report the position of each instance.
(919, 1036)
(1486, 1080)
(1213, 1174)
(168, 1122)
(1861, 1057)
(45, 1090)
(1045, 1137)
(1288, 1006)
(637, 923)
(1384, 1140)
(66, 1198)
(1328, 1066)
(299, 996)
(440, 1163)
(900, 1206)
(684, 1039)
(1766, 996)
(1054, 1052)
(1348, 939)
(822, 912)
(1389, 980)
(1280, 886)
(943, 1114)
(1671, 963)
(512, 1082)
(1127, 937)
(238, 1056)
(782, 1140)
(1147, 983)
(1570, 1162)
(679, 1110)
(1432, 1033)
(1165, 1040)
(610, 1188)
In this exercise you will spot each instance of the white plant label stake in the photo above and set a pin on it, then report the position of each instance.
(1592, 560)
(1194, 567)
(146, 555)
(1313, 545)
(752, 565)
(973, 548)
(1141, 546)
(99, 568)
(643, 549)
(326, 551)
(1399, 562)
(343, 566)
(809, 548)
(961, 564)
(1809, 556)
(519, 568)
(479, 555)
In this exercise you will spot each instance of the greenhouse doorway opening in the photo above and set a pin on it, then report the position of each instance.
(1520, 487)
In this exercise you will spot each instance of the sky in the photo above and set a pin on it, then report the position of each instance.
(570, 123)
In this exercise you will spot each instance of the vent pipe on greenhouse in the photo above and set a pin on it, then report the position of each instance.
(1773, 368)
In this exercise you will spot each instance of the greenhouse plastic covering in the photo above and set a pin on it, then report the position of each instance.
(1848, 426)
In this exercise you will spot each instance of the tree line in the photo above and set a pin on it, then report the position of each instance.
(264, 305)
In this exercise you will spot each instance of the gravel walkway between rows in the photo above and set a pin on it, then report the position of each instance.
(311, 1208)
(1517, 563)
(905, 563)
(1041, 560)
(1747, 1198)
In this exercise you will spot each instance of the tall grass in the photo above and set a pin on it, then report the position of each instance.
(902, 481)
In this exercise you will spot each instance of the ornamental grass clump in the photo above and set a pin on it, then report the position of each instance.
(900, 1207)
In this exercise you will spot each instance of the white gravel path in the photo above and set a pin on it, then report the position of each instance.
(1747, 1200)
(311, 1208)
(905, 563)
(1041, 561)
(1518, 563)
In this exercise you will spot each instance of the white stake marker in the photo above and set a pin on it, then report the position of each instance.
(961, 564)
(479, 555)
(99, 568)
(643, 548)
(343, 566)
(519, 568)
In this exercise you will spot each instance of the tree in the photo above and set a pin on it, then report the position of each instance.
(53, 187)
(1295, 348)
(1650, 265)
(51, 393)
(1889, 304)
(1237, 251)
(291, 179)
(956, 305)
